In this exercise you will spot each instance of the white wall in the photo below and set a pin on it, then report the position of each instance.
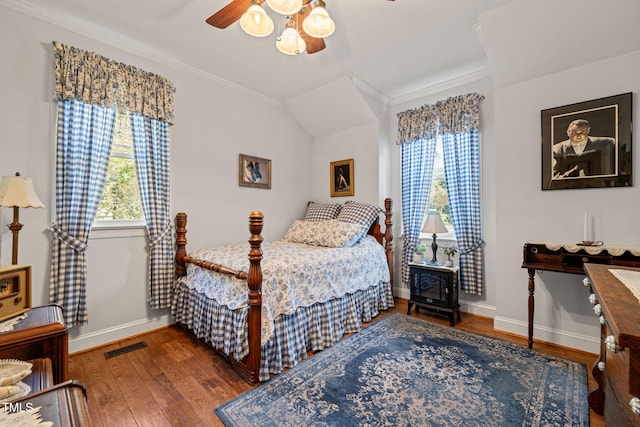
(524, 213)
(360, 144)
(214, 122)
(515, 210)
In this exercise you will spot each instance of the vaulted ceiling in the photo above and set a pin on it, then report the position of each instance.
(391, 48)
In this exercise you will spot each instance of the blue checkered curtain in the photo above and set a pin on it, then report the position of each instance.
(417, 170)
(151, 151)
(84, 137)
(417, 135)
(459, 127)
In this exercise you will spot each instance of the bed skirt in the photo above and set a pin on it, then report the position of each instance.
(309, 328)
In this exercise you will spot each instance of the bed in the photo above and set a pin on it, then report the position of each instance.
(265, 306)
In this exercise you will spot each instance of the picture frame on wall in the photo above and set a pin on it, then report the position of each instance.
(342, 182)
(587, 144)
(254, 172)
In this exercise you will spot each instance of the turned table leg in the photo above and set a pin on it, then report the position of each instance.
(532, 289)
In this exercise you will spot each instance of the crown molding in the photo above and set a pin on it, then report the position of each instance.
(369, 90)
(454, 82)
(128, 45)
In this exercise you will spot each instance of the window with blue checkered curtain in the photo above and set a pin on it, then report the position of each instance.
(91, 90)
(456, 120)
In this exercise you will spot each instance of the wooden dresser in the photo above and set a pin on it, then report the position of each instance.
(617, 371)
(41, 334)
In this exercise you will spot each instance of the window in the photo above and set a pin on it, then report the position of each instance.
(456, 121)
(120, 204)
(438, 197)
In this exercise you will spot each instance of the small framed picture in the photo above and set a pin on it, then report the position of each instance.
(254, 172)
(588, 144)
(342, 183)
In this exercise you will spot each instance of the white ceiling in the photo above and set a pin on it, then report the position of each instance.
(393, 47)
(395, 50)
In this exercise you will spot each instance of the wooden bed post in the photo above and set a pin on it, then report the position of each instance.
(388, 235)
(181, 243)
(254, 282)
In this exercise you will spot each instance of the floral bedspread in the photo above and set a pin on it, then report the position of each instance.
(294, 275)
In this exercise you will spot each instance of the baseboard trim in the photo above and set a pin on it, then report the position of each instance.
(543, 333)
(581, 342)
(120, 332)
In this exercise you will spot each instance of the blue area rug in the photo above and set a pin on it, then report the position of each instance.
(404, 371)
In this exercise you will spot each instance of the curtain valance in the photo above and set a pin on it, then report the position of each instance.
(96, 80)
(451, 115)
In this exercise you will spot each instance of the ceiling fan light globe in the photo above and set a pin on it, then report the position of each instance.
(290, 42)
(285, 7)
(318, 24)
(256, 22)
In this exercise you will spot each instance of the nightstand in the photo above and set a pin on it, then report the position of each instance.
(434, 288)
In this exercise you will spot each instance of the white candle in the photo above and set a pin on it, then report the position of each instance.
(585, 228)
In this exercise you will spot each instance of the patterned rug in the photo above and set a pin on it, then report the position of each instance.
(404, 371)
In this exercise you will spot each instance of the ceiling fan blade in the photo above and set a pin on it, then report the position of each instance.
(313, 44)
(228, 14)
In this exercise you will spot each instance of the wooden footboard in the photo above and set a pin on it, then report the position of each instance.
(250, 366)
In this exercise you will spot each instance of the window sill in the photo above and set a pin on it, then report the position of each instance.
(448, 237)
(118, 229)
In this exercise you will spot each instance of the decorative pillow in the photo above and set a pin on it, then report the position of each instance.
(321, 212)
(359, 213)
(330, 234)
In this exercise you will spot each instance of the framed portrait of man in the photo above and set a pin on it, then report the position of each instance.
(587, 144)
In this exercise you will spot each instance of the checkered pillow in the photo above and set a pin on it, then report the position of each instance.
(359, 213)
(319, 212)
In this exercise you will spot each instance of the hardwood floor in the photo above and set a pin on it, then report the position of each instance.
(177, 381)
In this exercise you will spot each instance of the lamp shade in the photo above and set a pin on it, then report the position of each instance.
(17, 191)
(256, 22)
(285, 7)
(319, 24)
(290, 42)
(434, 223)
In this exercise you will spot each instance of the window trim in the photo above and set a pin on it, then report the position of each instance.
(117, 228)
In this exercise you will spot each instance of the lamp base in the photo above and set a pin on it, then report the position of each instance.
(15, 228)
(434, 248)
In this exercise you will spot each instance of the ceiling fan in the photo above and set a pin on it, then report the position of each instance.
(306, 34)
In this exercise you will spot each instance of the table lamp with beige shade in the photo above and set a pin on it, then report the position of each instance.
(17, 192)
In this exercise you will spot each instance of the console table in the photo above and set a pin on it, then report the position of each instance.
(570, 258)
